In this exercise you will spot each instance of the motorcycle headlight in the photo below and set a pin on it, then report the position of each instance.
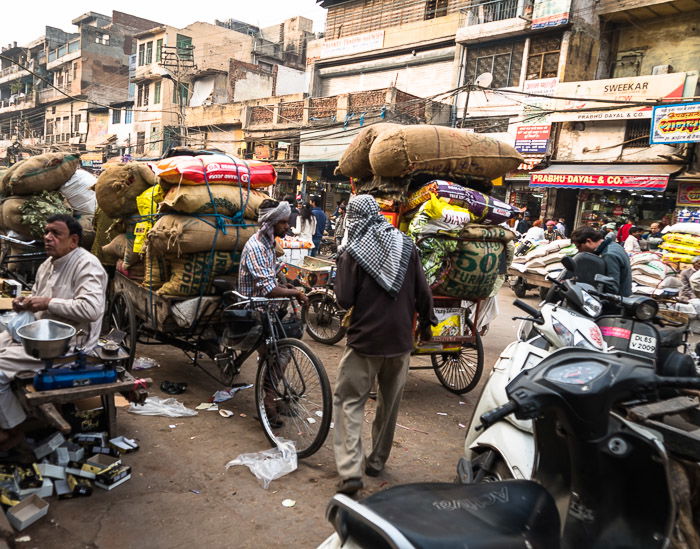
(566, 335)
(591, 306)
(646, 309)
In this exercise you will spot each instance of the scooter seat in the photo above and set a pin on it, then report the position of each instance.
(670, 336)
(508, 514)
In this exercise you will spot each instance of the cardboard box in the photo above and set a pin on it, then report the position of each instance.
(100, 463)
(80, 470)
(46, 490)
(9, 498)
(61, 457)
(11, 288)
(75, 451)
(91, 439)
(52, 471)
(79, 487)
(48, 445)
(106, 450)
(124, 444)
(61, 487)
(113, 477)
(8, 478)
(28, 479)
(27, 512)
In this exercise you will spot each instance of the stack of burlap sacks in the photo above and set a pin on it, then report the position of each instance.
(467, 256)
(649, 272)
(174, 238)
(545, 258)
(46, 184)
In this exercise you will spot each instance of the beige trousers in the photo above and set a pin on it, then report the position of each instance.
(355, 375)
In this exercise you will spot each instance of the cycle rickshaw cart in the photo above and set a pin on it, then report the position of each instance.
(228, 329)
(456, 355)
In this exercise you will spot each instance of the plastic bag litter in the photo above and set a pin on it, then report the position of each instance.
(17, 321)
(270, 464)
(168, 407)
(227, 394)
(144, 363)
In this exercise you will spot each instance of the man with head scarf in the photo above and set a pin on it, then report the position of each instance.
(380, 281)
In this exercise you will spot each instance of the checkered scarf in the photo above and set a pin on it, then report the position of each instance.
(269, 216)
(380, 249)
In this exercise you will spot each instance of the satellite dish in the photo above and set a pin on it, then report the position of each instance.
(484, 80)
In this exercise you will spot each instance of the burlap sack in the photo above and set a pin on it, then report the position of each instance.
(45, 172)
(192, 274)
(198, 200)
(476, 264)
(181, 234)
(156, 271)
(440, 151)
(355, 159)
(5, 178)
(103, 236)
(87, 222)
(12, 216)
(119, 185)
(114, 251)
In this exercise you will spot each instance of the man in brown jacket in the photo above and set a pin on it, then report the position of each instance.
(380, 281)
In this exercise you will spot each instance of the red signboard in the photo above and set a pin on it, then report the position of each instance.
(590, 181)
(688, 194)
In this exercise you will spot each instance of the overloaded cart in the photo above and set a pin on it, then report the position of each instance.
(432, 183)
(531, 270)
(174, 234)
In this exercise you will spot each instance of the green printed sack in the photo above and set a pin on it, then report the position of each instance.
(193, 274)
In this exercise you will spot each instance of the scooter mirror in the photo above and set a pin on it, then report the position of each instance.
(607, 282)
(569, 264)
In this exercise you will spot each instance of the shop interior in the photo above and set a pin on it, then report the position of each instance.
(598, 207)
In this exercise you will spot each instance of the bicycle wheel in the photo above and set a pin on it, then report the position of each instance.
(322, 318)
(121, 315)
(293, 397)
(460, 371)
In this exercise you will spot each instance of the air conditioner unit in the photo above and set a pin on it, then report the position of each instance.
(662, 69)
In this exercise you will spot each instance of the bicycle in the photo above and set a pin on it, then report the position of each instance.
(323, 315)
(20, 266)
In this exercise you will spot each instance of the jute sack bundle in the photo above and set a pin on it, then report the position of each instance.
(45, 172)
(192, 274)
(156, 271)
(228, 200)
(443, 151)
(12, 216)
(119, 185)
(476, 263)
(103, 235)
(355, 159)
(114, 251)
(182, 234)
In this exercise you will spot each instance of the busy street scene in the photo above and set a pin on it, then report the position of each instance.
(350, 274)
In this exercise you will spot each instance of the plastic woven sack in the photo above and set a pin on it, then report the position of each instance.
(219, 169)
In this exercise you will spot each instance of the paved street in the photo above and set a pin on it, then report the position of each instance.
(180, 495)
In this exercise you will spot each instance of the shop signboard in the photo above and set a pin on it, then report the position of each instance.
(581, 100)
(532, 139)
(550, 13)
(688, 194)
(675, 124)
(539, 104)
(350, 45)
(591, 181)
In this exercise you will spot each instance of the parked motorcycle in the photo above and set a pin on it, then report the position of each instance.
(600, 480)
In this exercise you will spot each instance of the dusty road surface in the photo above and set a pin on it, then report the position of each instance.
(180, 495)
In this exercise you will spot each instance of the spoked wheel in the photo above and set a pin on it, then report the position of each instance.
(293, 397)
(323, 317)
(121, 316)
(460, 370)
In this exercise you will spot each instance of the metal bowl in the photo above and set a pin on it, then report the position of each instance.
(46, 339)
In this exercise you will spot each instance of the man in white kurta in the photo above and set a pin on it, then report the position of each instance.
(70, 287)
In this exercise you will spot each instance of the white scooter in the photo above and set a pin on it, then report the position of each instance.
(555, 327)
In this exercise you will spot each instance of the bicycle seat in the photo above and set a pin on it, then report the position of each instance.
(225, 283)
(509, 514)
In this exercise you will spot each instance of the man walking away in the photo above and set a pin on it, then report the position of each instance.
(524, 224)
(381, 282)
(617, 263)
(321, 221)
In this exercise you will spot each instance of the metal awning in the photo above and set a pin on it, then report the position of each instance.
(648, 177)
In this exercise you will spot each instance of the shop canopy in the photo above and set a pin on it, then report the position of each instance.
(646, 177)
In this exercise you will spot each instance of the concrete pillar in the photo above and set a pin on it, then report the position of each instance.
(342, 107)
(564, 55)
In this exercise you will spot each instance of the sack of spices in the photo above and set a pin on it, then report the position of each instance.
(45, 172)
(215, 169)
(200, 199)
(193, 274)
(119, 184)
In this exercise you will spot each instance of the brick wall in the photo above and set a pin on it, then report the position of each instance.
(361, 16)
(261, 115)
(361, 101)
(323, 107)
(293, 111)
(410, 105)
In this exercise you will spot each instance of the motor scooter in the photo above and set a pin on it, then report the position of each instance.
(599, 480)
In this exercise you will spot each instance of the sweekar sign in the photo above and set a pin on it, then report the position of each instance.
(587, 181)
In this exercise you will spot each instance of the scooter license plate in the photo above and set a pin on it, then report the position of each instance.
(644, 343)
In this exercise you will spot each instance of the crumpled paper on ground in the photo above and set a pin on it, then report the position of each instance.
(270, 464)
(156, 406)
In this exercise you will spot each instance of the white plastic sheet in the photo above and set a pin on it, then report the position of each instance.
(168, 407)
(270, 464)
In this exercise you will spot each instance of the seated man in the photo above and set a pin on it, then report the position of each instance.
(70, 287)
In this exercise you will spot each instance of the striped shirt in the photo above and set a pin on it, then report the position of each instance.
(256, 275)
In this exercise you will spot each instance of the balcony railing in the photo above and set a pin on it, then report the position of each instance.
(486, 12)
(65, 49)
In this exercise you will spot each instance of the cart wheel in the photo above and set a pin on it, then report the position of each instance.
(121, 316)
(543, 292)
(520, 288)
(293, 397)
(322, 317)
(460, 371)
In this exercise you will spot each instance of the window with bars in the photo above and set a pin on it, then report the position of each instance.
(503, 60)
(116, 116)
(149, 53)
(637, 133)
(156, 93)
(435, 8)
(487, 125)
(128, 116)
(543, 58)
(142, 51)
(142, 95)
(140, 142)
(76, 124)
(159, 50)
